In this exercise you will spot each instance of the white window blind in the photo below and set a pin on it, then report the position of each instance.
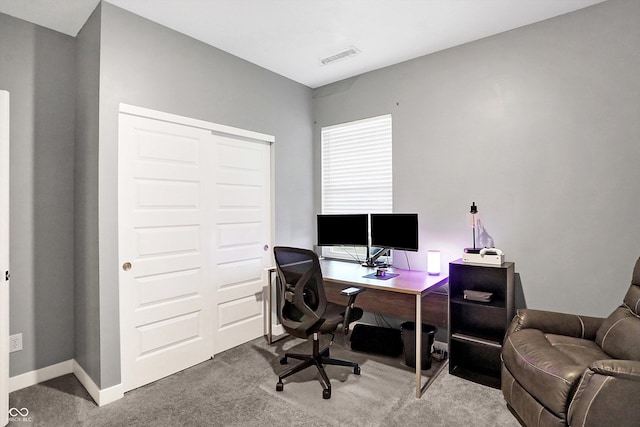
(356, 167)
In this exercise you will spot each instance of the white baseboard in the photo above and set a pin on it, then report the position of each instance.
(41, 375)
(100, 396)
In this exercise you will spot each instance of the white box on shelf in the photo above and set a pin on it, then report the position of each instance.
(472, 258)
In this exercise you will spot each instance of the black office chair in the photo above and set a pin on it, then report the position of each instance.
(304, 311)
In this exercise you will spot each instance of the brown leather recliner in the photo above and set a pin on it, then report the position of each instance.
(568, 370)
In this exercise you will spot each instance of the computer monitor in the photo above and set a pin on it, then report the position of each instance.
(395, 231)
(343, 230)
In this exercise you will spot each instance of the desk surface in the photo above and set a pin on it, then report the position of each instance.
(407, 282)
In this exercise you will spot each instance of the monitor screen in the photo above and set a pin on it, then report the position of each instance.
(343, 230)
(395, 231)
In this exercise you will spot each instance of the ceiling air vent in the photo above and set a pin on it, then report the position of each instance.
(346, 53)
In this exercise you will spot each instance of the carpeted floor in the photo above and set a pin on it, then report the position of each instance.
(237, 388)
(371, 395)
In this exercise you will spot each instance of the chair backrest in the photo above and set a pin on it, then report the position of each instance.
(619, 335)
(632, 298)
(302, 298)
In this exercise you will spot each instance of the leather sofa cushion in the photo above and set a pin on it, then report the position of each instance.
(619, 334)
(548, 365)
(579, 351)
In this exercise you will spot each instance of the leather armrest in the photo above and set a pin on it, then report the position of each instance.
(627, 369)
(551, 322)
(607, 395)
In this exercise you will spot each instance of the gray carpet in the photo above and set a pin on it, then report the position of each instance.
(371, 395)
(237, 388)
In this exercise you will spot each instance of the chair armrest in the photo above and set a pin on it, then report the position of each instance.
(626, 369)
(352, 292)
(551, 322)
(607, 395)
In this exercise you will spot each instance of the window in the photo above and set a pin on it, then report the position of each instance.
(356, 170)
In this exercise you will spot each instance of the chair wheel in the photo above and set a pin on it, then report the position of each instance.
(326, 393)
(356, 370)
(283, 361)
(279, 386)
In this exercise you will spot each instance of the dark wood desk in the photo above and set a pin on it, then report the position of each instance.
(402, 305)
(400, 296)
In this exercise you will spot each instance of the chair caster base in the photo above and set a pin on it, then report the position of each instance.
(326, 393)
(284, 361)
(356, 370)
(279, 386)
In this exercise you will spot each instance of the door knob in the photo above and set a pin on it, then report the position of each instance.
(265, 248)
(126, 266)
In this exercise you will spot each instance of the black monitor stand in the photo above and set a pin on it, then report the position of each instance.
(372, 259)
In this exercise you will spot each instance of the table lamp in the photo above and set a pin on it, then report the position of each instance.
(433, 262)
(474, 221)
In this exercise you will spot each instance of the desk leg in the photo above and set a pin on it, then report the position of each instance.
(269, 309)
(418, 330)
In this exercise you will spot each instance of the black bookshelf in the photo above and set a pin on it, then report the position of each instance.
(476, 329)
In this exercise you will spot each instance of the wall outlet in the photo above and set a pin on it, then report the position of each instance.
(15, 343)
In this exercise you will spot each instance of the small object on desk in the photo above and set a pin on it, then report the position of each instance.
(386, 276)
(380, 272)
(477, 295)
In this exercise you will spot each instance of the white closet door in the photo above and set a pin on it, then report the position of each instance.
(194, 238)
(4, 257)
(242, 238)
(165, 172)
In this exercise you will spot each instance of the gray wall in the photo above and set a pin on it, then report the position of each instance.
(37, 66)
(539, 126)
(145, 64)
(87, 295)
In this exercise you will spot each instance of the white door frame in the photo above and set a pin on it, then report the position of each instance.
(188, 121)
(4, 258)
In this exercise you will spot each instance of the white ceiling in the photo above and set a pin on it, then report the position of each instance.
(290, 37)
